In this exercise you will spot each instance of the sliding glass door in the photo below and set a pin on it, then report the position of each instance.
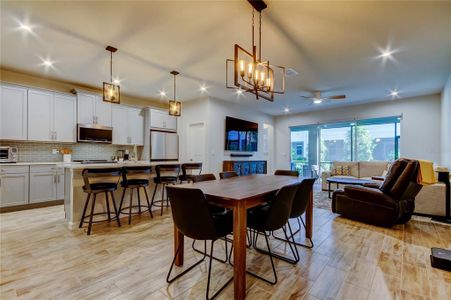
(316, 147)
(335, 144)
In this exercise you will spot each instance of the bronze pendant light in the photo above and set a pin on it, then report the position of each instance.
(250, 72)
(175, 107)
(111, 91)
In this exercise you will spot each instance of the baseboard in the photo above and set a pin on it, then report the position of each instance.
(30, 206)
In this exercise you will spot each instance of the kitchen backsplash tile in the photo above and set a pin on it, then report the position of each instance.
(42, 152)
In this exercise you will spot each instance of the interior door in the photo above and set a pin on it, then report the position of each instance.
(40, 116)
(65, 119)
(196, 142)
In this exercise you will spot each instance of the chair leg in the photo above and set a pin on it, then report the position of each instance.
(148, 204)
(84, 211)
(214, 257)
(207, 293)
(153, 195)
(168, 280)
(121, 203)
(139, 200)
(92, 214)
(107, 206)
(309, 238)
(130, 207)
(272, 263)
(270, 256)
(115, 209)
(281, 257)
(162, 199)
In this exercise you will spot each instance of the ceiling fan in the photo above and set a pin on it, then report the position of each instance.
(317, 98)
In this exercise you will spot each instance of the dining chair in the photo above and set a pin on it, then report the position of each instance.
(191, 167)
(300, 204)
(287, 173)
(194, 220)
(135, 184)
(228, 174)
(95, 188)
(272, 217)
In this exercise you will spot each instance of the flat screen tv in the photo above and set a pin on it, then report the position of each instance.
(241, 135)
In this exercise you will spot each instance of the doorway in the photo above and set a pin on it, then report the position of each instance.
(196, 143)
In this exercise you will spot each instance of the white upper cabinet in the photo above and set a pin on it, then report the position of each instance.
(128, 125)
(40, 116)
(162, 120)
(136, 126)
(51, 117)
(86, 108)
(103, 112)
(120, 125)
(13, 112)
(65, 123)
(93, 110)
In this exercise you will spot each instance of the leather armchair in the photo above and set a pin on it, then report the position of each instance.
(391, 203)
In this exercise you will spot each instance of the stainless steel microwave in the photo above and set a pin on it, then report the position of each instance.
(93, 133)
(8, 154)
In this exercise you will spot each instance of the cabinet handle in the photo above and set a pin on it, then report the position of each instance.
(0, 182)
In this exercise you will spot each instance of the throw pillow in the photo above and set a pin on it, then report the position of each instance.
(346, 170)
(336, 171)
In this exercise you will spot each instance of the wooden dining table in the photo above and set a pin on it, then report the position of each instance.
(239, 194)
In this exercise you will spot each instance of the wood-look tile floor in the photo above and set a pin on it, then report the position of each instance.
(42, 259)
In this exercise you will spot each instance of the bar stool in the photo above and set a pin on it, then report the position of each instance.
(135, 183)
(171, 178)
(191, 167)
(96, 188)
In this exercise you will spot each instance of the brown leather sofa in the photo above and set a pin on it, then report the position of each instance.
(391, 203)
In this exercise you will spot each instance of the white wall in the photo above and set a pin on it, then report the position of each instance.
(446, 125)
(420, 125)
(213, 113)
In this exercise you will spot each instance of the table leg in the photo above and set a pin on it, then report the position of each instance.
(329, 190)
(309, 217)
(178, 240)
(239, 251)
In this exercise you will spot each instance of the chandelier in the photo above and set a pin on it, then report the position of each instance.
(111, 91)
(250, 72)
(175, 107)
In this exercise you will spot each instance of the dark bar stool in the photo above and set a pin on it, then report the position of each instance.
(191, 167)
(171, 174)
(135, 183)
(96, 188)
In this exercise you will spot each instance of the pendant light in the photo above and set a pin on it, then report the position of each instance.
(250, 72)
(175, 107)
(111, 91)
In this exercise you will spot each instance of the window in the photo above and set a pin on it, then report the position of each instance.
(318, 146)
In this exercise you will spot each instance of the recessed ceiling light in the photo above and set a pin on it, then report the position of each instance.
(394, 93)
(116, 81)
(386, 53)
(26, 27)
(47, 63)
(162, 93)
(317, 101)
(203, 88)
(239, 92)
(286, 110)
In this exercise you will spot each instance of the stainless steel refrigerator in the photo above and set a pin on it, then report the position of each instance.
(164, 146)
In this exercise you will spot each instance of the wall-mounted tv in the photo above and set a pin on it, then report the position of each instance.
(241, 135)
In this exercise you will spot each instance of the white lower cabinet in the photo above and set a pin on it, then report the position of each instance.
(46, 183)
(14, 185)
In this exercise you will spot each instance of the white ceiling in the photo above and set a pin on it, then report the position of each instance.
(333, 46)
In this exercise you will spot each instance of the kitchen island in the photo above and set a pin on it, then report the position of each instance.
(74, 197)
